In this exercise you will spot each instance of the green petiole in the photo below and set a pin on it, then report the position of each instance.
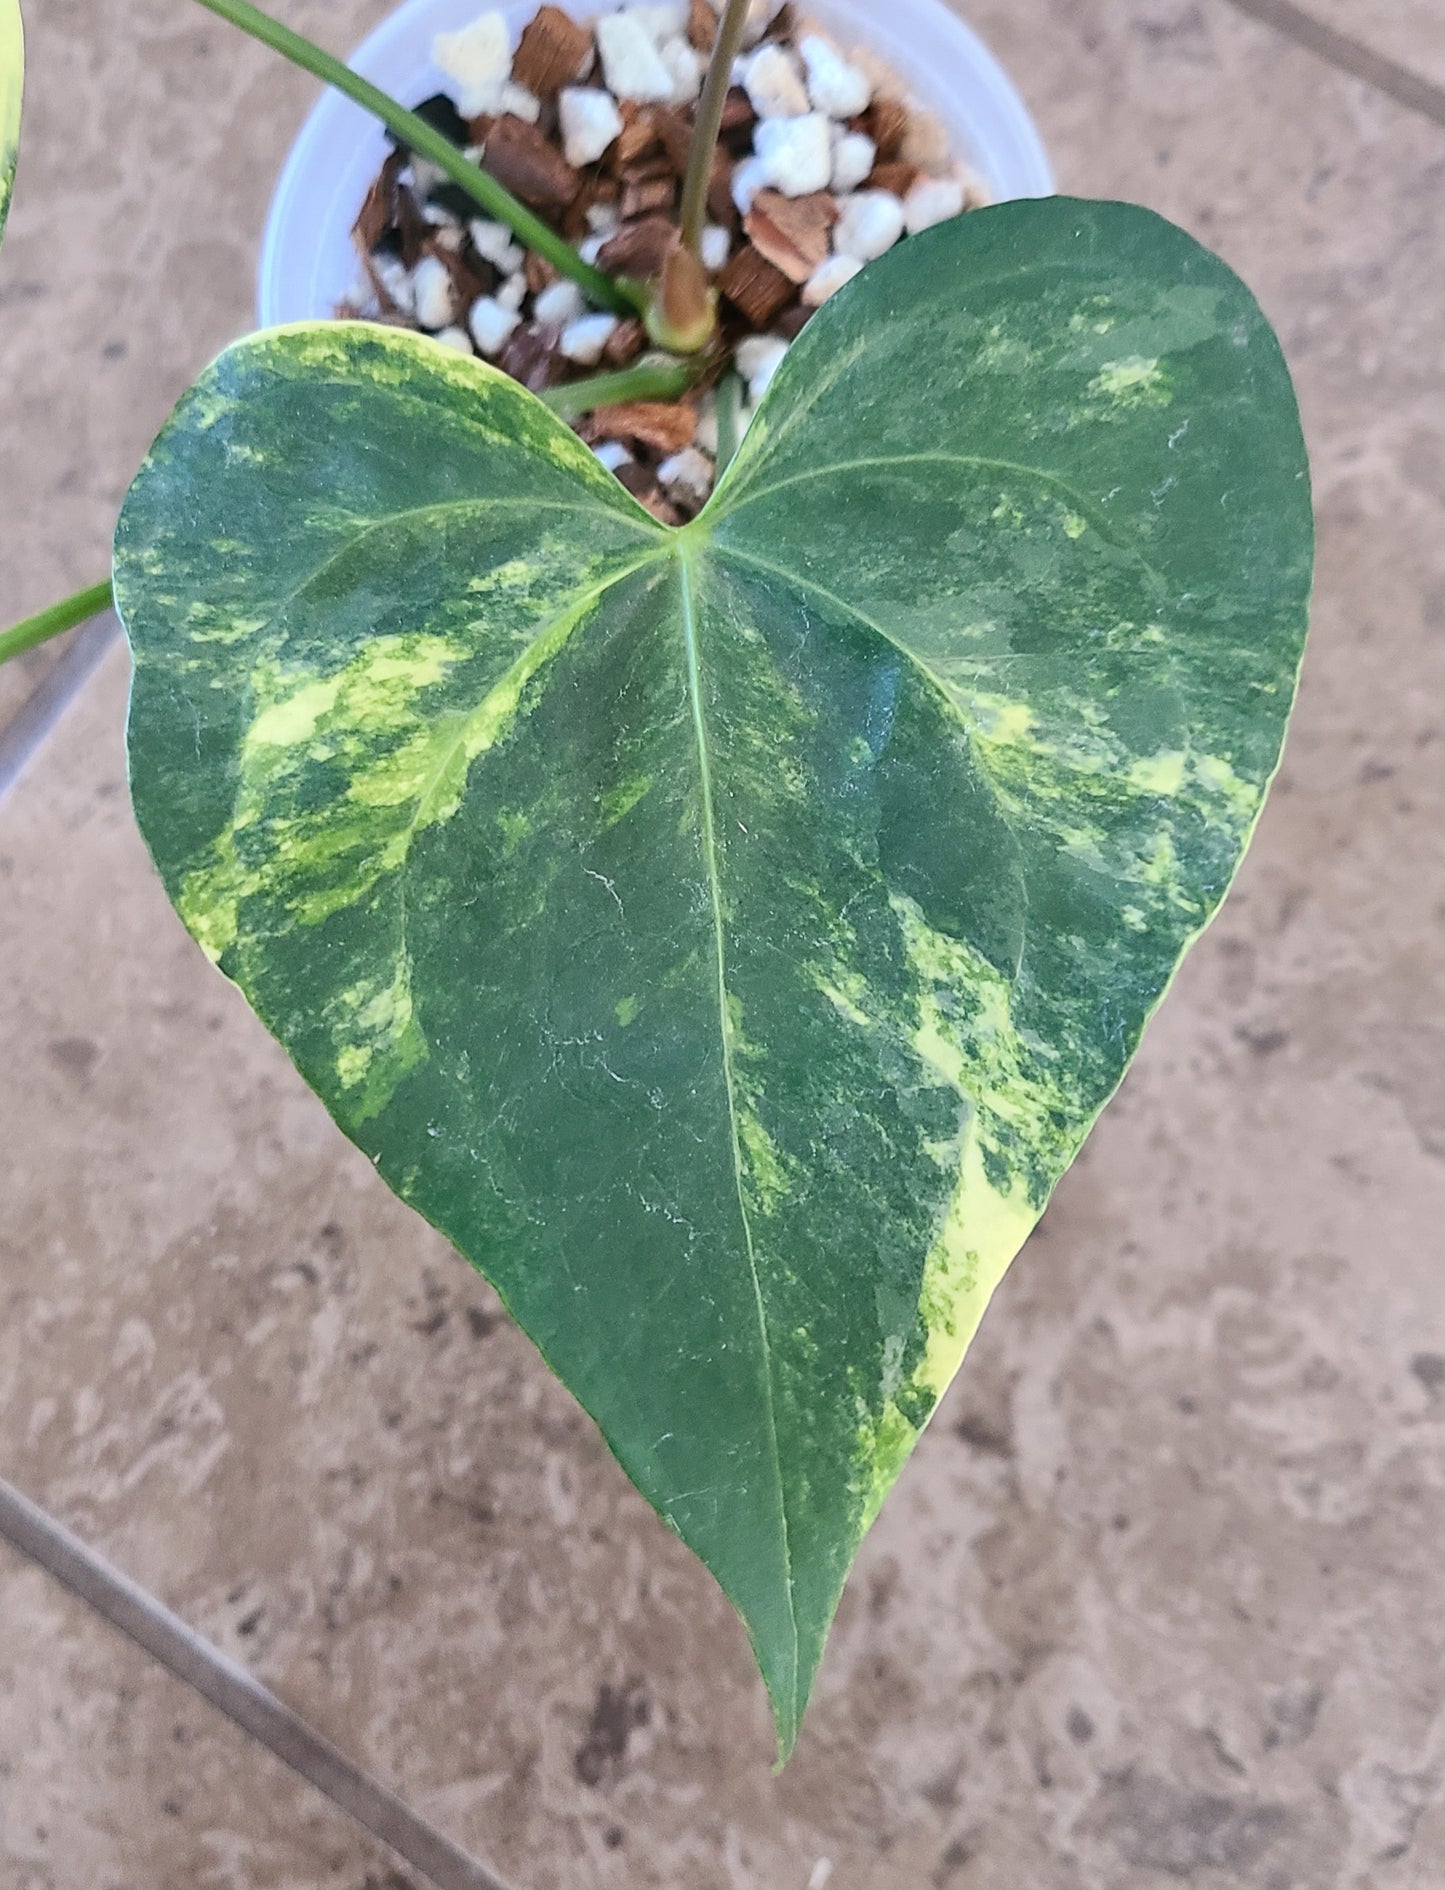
(429, 143)
(55, 621)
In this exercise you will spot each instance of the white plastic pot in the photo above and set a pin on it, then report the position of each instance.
(308, 263)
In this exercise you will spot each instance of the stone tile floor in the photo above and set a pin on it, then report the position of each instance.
(1158, 1600)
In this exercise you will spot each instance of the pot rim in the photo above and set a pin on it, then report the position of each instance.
(307, 262)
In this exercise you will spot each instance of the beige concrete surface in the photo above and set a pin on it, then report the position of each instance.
(171, 1794)
(1158, 1600)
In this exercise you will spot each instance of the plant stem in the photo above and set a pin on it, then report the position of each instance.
(497, 201)
(50, 623)
(708, 123)
(648, 380)
(729, 403)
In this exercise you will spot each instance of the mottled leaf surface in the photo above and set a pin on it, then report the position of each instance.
(12, 81)
(727, 936)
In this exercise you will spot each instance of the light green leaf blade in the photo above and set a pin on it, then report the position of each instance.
(12, 84)
(728, 936)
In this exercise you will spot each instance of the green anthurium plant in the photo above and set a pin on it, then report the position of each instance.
(726, 935)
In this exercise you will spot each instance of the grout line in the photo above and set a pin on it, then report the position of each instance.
(1407, 88)
(23, 734)
(236, 1693)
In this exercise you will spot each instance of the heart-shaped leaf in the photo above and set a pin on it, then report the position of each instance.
(12, 84)
(727, 936)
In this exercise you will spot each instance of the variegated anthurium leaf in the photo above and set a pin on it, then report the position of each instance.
(727, 935)
(12, 83)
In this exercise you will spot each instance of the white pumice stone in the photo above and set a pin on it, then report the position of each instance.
(437, 215)
(760, 16)
(688, 475)
(583, 340)
(660, 22)
(396, 279)
(854, 155)
(715, 246)
(685, 64)
(590, 122)
(758, 360)
(513, 292)
(436, 305)
(932, 200)
(707, 426)
(835, 86)
(491, 325)
(559, 303)
(520, 103)
(796, 153)
(772, 84)
(478, 60)
(591, 247)
(631, 63)
(750, 176)
(612, 454)
(602, 219)
(457, 338)
(493, 243)
(421, 177)
(868, 224)
(828, 278)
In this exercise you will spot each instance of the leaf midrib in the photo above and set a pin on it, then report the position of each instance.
(694, 685)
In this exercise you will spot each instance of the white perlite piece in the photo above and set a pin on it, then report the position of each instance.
(583, 340)
(513, 292)
(835, 86)
(558, 304)
(612, 454)
(457, 338)
(631, 63)
(868, 224)
(773, 86)
(436, 305)
(687, 475)
(493, 243)
(662, 21)
(828, 278)
(760, 16)
(395, 278)
(686, 68)
(932, 200)
(518, 102)
(796, 154)
(854, 156)
(749, 177)
(716, 246)
(758, 360)
(478, 59)
(590, 123)
(491, 325)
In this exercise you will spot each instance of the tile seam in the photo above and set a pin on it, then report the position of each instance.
(1350, 56)
(24, 733)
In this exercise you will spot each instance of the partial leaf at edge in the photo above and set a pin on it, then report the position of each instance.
(727, 936)
(12, 84)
